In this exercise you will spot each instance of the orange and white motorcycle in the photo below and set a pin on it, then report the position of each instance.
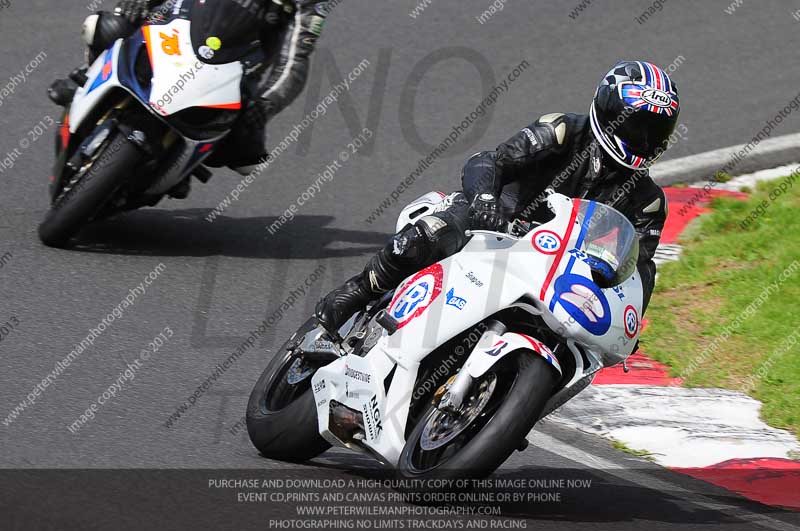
(154, 106)
(445, 377)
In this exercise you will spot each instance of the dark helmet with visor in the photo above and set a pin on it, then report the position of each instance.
(634, 112)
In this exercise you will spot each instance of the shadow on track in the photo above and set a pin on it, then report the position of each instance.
(187, 233)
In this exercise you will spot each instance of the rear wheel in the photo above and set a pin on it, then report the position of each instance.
(281, 413)
(89, 190)
(498, 413)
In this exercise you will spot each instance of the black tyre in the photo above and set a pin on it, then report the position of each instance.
(72, 209)
(281, 413)
(501, 410)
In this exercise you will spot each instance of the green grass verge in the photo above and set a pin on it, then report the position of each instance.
(711, 319)
(621, 446)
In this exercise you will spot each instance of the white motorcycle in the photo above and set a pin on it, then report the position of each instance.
(153, 107)
(445, 377)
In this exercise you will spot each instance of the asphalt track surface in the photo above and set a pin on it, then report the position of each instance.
(221, 279)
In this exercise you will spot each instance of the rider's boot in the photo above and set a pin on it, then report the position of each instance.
(412, 249)
(343, 302)
(381, 275)
(61, 91)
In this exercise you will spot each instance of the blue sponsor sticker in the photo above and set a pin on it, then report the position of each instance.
(454, 301)
(585, 302)
(596, 264)
(105, 72)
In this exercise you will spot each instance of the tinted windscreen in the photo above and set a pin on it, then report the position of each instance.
(611, 242)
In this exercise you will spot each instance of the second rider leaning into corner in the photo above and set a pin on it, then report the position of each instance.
(287, 31)
(602, 156)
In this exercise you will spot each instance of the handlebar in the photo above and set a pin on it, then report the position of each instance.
(515, 229)
(520, 228)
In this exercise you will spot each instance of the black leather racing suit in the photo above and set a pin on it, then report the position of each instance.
(557, 151)
(289, 30)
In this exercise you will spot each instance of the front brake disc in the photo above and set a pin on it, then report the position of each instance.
(442, 427)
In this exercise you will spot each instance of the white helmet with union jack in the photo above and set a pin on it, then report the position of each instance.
(634, 112)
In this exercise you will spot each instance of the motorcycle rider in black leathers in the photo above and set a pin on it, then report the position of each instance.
(602, 156)
(287, 31)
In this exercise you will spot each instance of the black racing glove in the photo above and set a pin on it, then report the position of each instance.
(486, 214)
(133, 10)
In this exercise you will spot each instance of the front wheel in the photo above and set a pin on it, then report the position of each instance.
(89, 191)
(281, 413)
(498, 413)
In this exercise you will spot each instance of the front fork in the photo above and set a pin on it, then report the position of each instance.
(62, 141)
(65, 144)
(457, 389)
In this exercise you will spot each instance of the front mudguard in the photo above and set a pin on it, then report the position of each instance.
(484, 358)
(492, 348)
(69, 145)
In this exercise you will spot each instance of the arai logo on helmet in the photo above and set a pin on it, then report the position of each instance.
(656, 97)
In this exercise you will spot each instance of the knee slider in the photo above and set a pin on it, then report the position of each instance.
(444, 236)
(432, 227)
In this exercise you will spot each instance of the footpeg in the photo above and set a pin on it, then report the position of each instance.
(387, 322)
(203, 174)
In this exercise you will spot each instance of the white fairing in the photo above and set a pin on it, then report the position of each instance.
(102, 78)
(180, 79)
(491, 273)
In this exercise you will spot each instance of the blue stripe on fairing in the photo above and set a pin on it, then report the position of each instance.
(99, 79)
(578, 243)
(129, 51)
